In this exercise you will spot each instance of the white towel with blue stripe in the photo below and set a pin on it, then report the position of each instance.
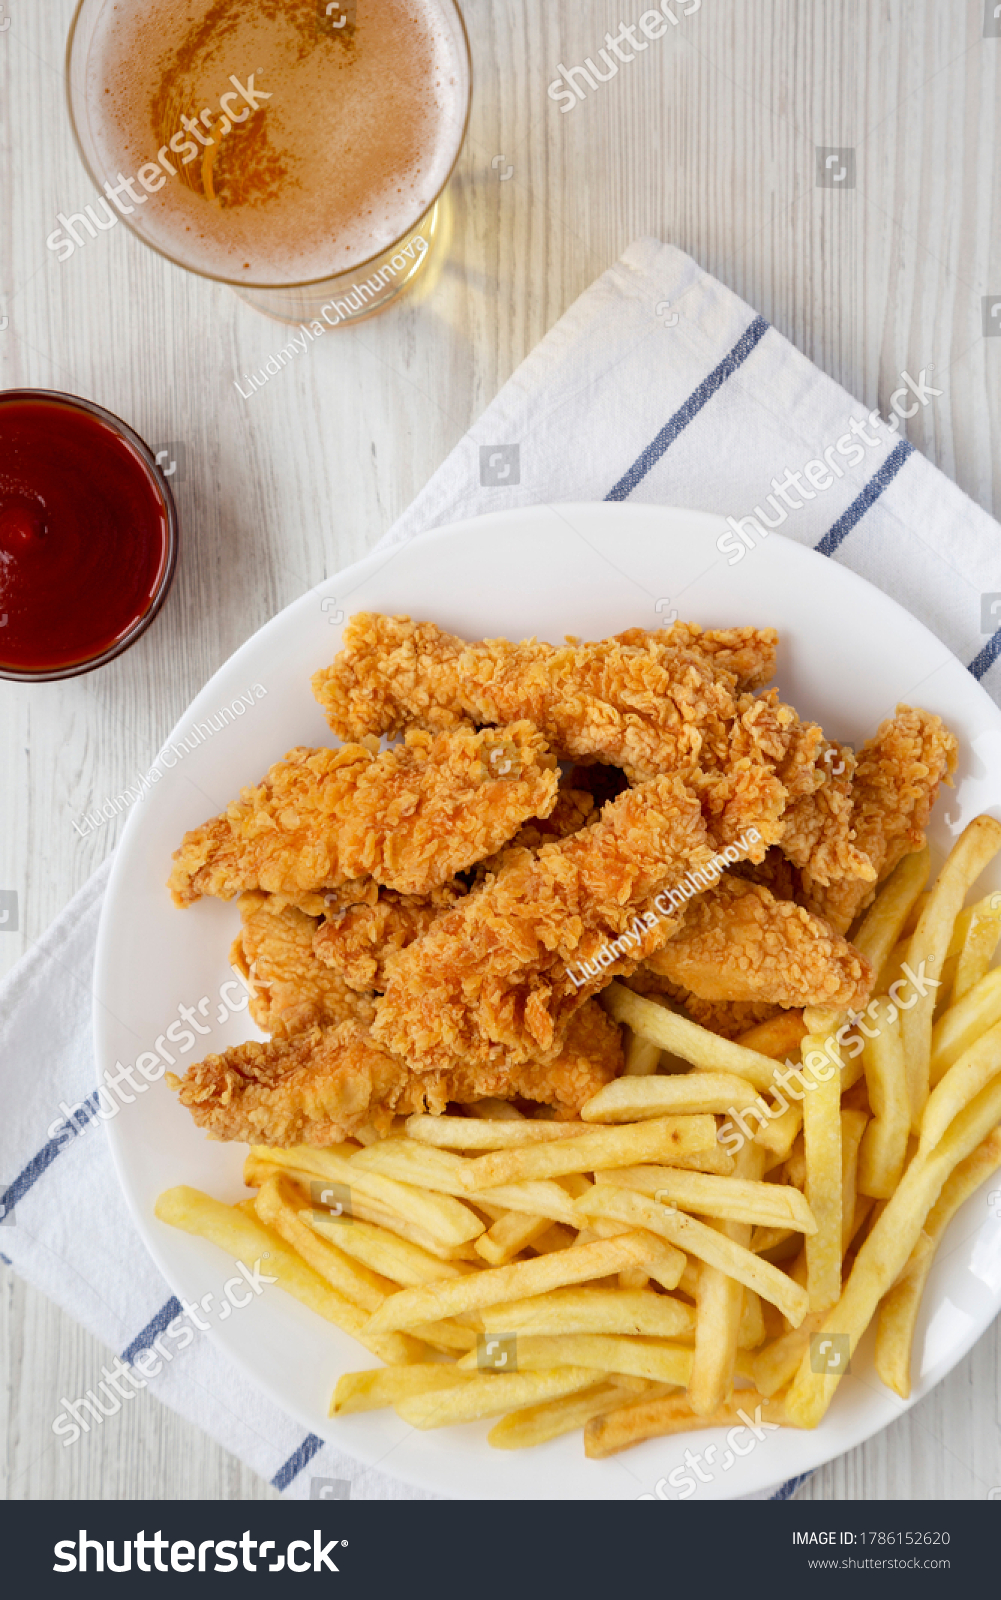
(658, 385)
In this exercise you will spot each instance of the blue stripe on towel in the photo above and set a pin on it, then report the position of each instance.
(297, 1460)
(789, 1489)
(870, 494)
(40, 1163)
(691, 408)
(154, 1327)
(987, 657)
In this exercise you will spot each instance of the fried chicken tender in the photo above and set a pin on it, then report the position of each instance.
(896, 782)
(490, 981)
(642, 707)
(357, 944)
(322, 1086)
(738, 943)
(411, 817)
(748, 653)
(650, 703)
(292, 991)
(358, 938)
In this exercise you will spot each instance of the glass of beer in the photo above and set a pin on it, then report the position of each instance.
(298, 150)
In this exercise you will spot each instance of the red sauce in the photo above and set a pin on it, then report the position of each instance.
(84, 536)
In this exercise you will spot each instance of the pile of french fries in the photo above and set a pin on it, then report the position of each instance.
(645, 1270)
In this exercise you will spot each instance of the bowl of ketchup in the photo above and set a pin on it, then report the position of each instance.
(88, 535)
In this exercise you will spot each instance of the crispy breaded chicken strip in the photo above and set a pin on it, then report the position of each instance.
(638, 701)
(411, 817)
(739, 943)
(292, 990)
(491, 980)
(322, 1086)
(749, 653)
(643, 707)
(358, 939)
(357, 943)
(896, 782)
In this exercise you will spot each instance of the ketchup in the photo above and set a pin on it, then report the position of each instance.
(85, 547)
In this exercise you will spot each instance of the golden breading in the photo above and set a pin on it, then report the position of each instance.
(322, 1086)
(738, 943)
(357, 943)
(491, 980)
(748, 653)
(411, 817)
(897, 778)
(292, 990)
(639, 706)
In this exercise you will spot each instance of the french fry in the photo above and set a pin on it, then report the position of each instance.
(885, 923)
(593, 1151)
(976, 846)
(695, 1238)
(779, 1134)
(443, 1170)
(962, 1025)
(884, 1143)
(587, 1310)
(751, 1328)
(642, 1057)
(779, 1037)
(383, 1386)
(616, 1430)
(719, 1303)
(509, 1235)
(731, 1199)
(395, 1258)
(977, 928)
(822, 1146)
(776, 1364)
(446, 1219)
(633, 1278)
(247, 1239)
(278, 1205)
(960, 1084)
(852, 1128)
(493, 1110)
(519, 1430)
(633, 1099)
(604, 1352)
(447, 1336)
(455, 1296)
(899, 1310)
(488, 1395)
(685, 1038)
(463, 1133)
(885, 1251)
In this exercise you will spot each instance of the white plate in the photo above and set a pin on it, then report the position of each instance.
(848, 655)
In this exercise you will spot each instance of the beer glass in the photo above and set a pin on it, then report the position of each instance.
(242, 162)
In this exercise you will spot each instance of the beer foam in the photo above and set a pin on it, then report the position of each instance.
(355, 140)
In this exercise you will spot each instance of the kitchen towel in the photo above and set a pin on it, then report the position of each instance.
(658, 385)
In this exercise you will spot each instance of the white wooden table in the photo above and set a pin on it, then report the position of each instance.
(706, 140)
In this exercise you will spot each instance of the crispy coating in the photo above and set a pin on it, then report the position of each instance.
(639, 706)
(748, 653)
(357, 944)
(359, 937)
(738, 943)
(411, 817)
(322, 1086)
(896, 782)
(292, 990)
(491, 980)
